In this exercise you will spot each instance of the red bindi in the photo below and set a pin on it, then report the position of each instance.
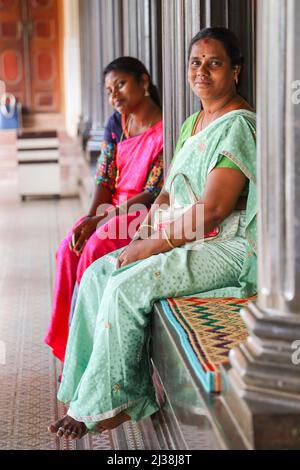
(206, 41)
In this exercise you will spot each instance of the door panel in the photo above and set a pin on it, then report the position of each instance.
(12, 69)
(29, 53)
(44, 54)
(8, 4)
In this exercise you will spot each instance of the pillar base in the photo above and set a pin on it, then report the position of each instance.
(263, 395)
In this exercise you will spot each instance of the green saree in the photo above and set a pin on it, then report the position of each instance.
(107, 367)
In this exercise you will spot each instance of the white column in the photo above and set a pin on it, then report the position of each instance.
(278, 157)
(72, 72)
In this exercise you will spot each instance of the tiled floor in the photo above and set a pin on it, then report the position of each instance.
(29, 234)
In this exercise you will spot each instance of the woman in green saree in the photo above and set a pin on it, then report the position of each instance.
(106, 378)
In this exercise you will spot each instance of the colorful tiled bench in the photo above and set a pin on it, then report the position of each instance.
(207, 329)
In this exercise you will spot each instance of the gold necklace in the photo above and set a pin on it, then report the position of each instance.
(127, 126)
(129, 123)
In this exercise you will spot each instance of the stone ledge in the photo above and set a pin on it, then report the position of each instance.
(195, 419)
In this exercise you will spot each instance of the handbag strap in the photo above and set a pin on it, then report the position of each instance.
(190, 191)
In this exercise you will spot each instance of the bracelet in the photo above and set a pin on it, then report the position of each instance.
(165, 235)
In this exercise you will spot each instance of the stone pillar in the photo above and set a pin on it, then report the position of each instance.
(181, 21)
(86, 65)
(96, 132)
(264, 381)
(142, 34)
(105, 30)
(111, 37)
(72, 79)
(109, 29)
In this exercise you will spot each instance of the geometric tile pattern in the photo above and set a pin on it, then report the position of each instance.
(209, 328)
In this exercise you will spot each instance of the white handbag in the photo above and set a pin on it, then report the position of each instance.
(163, 217)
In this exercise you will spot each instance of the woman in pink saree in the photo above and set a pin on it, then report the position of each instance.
(130, 173)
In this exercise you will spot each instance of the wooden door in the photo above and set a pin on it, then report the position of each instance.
(42, 30)
(29, 53)
(12, 65)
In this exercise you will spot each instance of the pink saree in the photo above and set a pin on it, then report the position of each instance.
(134, 159)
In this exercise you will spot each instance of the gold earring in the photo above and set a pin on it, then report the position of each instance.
(147, 92)
(237, 80)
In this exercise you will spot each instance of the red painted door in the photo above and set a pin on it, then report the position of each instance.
(29, 52)
(43, 35)
(12, 65)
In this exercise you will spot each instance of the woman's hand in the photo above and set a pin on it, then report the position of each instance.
(82, 233)
(135, 251)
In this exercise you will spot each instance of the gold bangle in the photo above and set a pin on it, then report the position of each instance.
(164, 232)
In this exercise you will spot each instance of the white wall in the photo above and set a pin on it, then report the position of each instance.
(72, 81)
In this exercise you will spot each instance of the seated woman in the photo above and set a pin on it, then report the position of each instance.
(130, 172)
(106, 378)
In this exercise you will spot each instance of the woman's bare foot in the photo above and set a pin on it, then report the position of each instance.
(112, 423)
(68, 428)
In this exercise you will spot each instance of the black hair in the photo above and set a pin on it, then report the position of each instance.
(228, 39)
(136, 68)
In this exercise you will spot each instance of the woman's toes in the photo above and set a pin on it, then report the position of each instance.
(68, 428)
(74, 435)
(60, 431)
(79, 431)
(54, 427)
(67, 433)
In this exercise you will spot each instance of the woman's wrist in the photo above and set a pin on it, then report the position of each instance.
(167, 238)
(157, 245)
(145, 230)
(106, 213)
